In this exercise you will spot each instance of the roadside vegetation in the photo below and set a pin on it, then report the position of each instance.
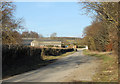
(103, 36)
(108, 69)
(57, 57)
(20, 59)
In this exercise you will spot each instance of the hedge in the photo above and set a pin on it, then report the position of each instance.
(15, 56)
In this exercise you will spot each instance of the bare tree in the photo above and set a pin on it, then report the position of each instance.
(41, 36)
(9, 24)
(30, 34)
(107, 13)
(53, 35)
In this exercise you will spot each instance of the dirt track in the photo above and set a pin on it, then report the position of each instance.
(74, 67)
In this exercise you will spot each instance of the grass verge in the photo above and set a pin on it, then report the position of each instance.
(108, 69)
(57, 57)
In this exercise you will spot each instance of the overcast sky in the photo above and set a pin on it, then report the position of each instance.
(64, 18)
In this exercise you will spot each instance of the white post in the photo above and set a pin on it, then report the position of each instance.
(86, 47)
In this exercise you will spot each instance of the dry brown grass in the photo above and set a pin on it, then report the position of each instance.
(57, 57)
(108, 70)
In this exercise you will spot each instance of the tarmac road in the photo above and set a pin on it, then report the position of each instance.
(74, 67)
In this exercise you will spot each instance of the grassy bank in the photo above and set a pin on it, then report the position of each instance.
(57, 57)
(108, 69)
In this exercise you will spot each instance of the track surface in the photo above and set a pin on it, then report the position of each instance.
(74, 67)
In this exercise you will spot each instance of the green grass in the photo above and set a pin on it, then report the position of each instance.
(108, 69)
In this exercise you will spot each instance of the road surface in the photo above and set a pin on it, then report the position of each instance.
(74, 67)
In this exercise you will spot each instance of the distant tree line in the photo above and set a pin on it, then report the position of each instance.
(30, 34)
(103, 33)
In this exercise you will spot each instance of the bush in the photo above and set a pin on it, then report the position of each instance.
(55, 52)
(16, 56)
(80, 46)
(50, 46)
(19, 54)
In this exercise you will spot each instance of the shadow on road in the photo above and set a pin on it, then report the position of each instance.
(15, 69)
